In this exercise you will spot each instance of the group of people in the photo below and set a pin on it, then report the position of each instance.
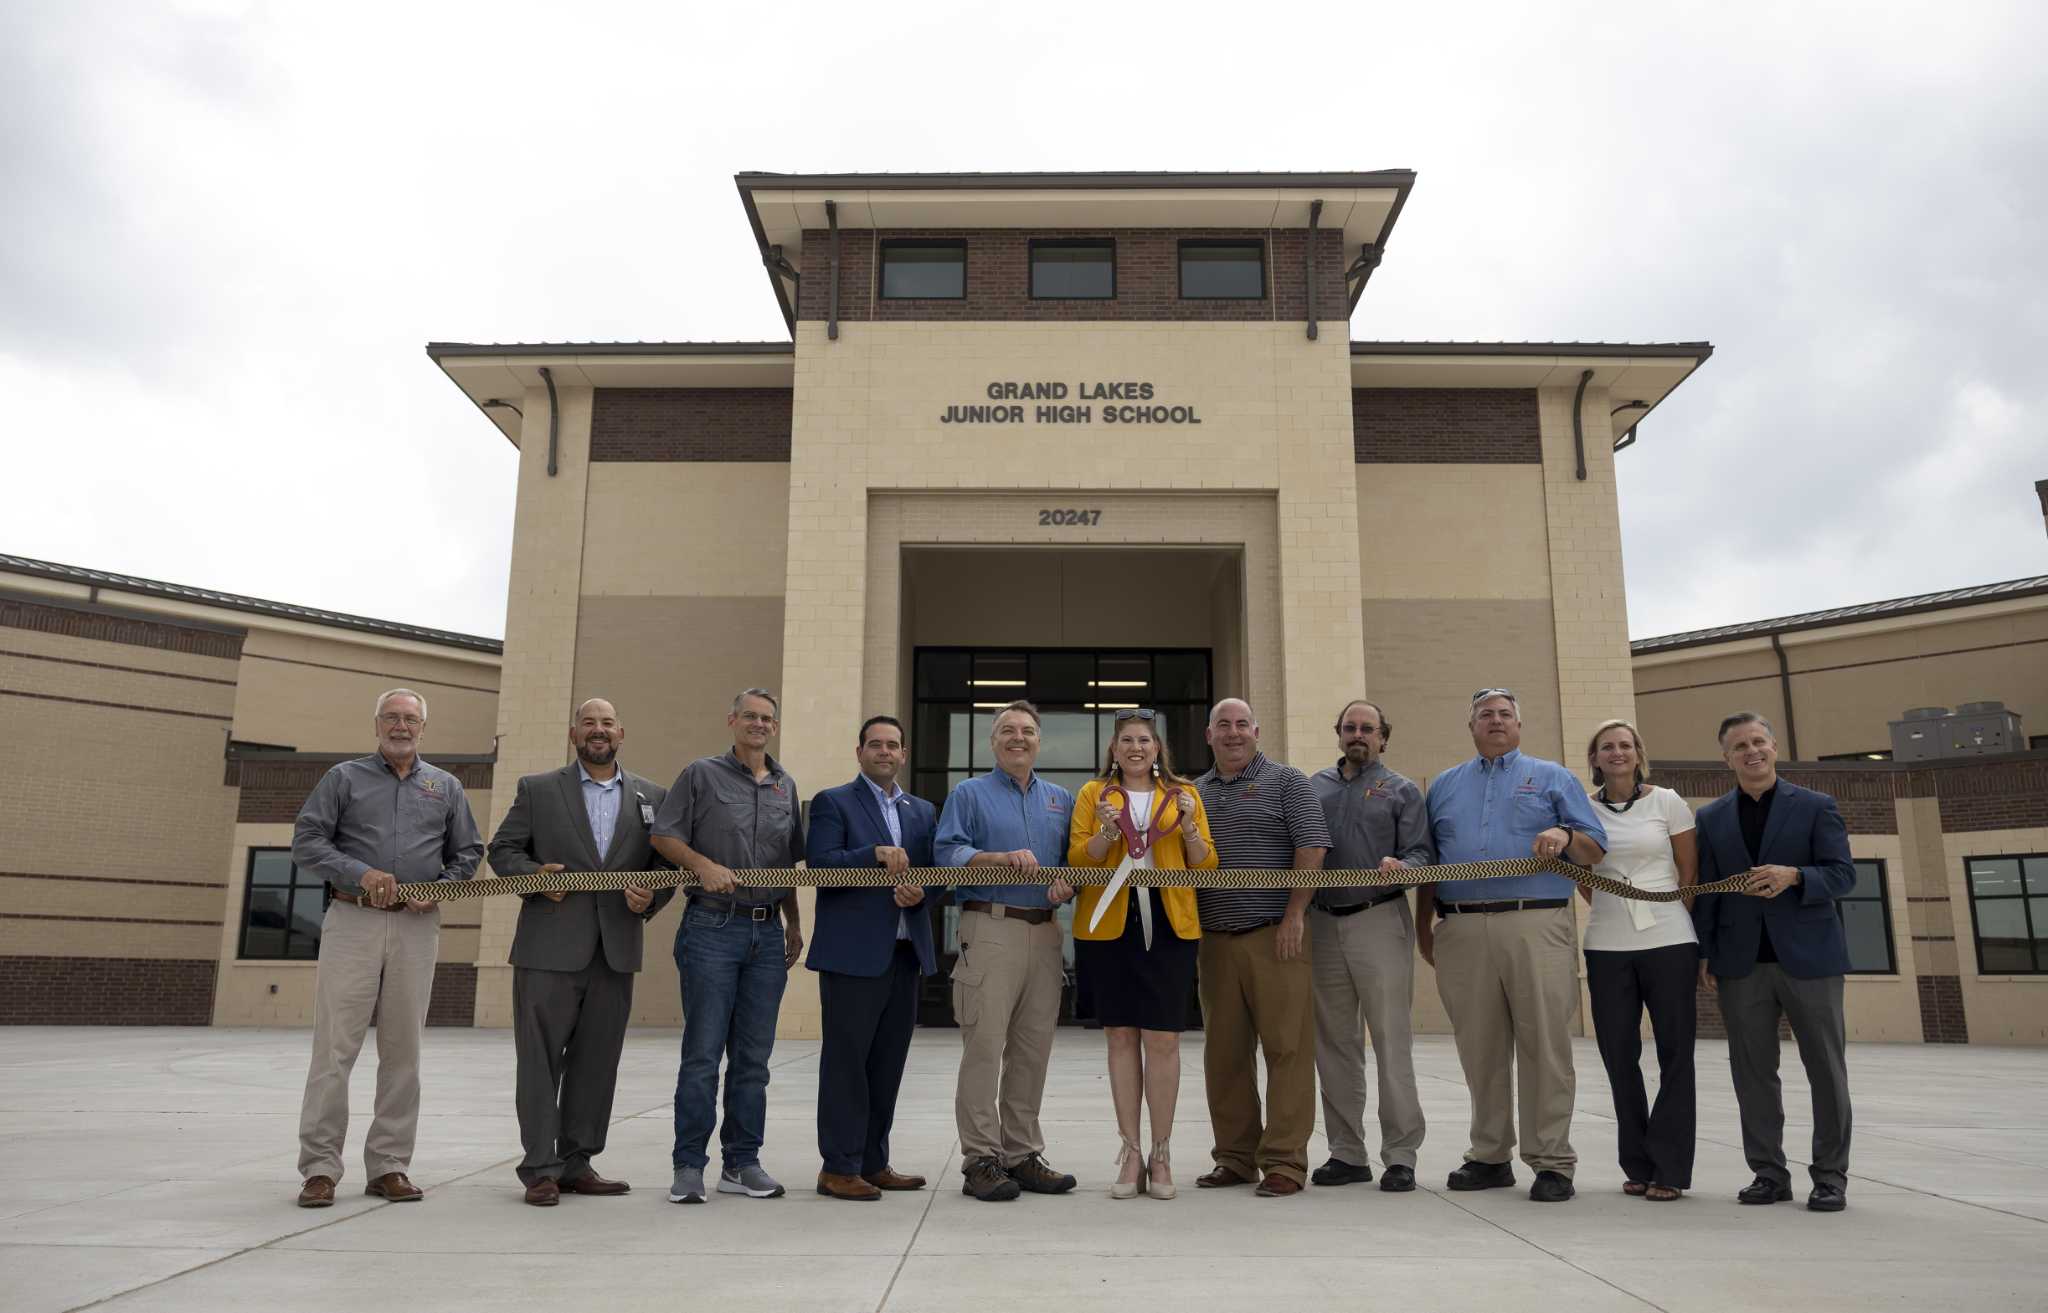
(1301, 977)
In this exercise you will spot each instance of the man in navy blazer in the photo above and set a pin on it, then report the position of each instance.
(1778, 950)
(869, 947)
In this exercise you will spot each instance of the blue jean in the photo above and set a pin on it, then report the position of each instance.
(732, 975)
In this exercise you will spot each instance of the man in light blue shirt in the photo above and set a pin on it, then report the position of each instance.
(1007, 979)
(1506, 954)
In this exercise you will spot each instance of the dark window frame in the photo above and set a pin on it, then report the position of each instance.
(1180, 265)
(889, 244)
(300, 879)
(1884, 902)
(1038, 244)
(2022, 898)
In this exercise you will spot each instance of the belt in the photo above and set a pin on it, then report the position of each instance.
(752, 911)
(1028, 915)
(397, 905)
(1247, 929)
(1384, 896)
(1513, 905)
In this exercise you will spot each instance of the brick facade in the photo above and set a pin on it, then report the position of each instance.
(113, 627)
(454, 999)
(1445, 426)
(272, 790)
(2003, 793)
(1942, 1020)
(1147, 278)
(106, 991)
(690, 424)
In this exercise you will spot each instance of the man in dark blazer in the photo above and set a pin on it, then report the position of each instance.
(574, 955)
(869, 947)
(1778, 951)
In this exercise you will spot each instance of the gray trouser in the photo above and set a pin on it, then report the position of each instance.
(568, 1028)
(374, 966)
(1365, 983)
(1750, 1007)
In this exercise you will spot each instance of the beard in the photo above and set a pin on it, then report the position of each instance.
(596, 752)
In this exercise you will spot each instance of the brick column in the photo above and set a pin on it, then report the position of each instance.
(540, 646)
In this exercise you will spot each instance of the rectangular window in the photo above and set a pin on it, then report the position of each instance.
(2009, 911)
(282, 910)
(924, 270)
(1222, 270)
(1073, 269)
(1867, 919)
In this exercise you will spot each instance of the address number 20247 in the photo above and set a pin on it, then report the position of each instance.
(1075, 517)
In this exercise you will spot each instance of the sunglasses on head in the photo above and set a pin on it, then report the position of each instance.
(1486, 693)
(1135, 713)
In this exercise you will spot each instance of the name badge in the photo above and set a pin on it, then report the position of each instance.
(647, 813)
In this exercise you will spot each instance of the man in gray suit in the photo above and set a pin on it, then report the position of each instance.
(574, 955)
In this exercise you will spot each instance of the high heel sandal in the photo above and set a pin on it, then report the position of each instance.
(1122, 1189)
(1162, 1158)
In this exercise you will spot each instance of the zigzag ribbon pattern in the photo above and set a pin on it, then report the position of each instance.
(874, 877)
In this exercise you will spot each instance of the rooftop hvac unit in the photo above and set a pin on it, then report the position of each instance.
(1974, 729)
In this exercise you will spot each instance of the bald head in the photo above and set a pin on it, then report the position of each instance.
(1233, 734)
(596, 732)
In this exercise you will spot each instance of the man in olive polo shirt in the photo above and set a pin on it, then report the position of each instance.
(735, 811)
(1362, 941)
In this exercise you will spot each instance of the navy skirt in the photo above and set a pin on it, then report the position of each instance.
(1120, 982)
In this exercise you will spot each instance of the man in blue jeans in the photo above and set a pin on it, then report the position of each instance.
(736, 811)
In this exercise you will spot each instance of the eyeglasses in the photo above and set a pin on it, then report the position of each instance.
(394, 718)
(1486, 693)
(1135, 713)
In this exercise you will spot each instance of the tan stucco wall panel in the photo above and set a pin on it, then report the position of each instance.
(320, 696)
(1474, 531)
(686, 529)
(1424, 659)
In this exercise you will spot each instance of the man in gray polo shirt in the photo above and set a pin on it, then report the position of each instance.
(370, 825)
(1362, 941)
(735, 811)
(1255, 981)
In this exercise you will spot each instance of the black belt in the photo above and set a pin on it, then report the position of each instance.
(1384, 896)
(752, 911)
(1513, 905)
(1028, 915)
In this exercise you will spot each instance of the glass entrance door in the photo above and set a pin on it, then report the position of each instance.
(1078, 691)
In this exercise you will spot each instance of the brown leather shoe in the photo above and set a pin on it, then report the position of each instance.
(1276, 1186)
(394, 1186)
(544, 1193)
(834, 1186)
(891, 1179)
(317, 1192)
(592, 1183)
(1218, 1177)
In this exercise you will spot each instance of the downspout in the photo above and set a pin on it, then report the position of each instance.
(1315, 213)
(1785, 695)
(1579, 422)
(832, 297)
(554, 420)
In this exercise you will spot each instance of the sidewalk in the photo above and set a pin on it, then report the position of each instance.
(154, 1169)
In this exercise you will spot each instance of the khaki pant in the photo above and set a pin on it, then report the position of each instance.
(1510, 982)
(374, 967)
(1006, 997)
(1251, 1002)
(1364, 970)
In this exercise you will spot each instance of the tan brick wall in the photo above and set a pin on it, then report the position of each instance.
(1424, 658)
(318, 696)
(692, 529)
(1452, 531)
(2001, 1009)
(539, 672)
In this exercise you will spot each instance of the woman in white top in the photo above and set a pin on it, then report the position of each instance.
(1644, 955)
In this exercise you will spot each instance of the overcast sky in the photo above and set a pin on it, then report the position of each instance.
(226, 231)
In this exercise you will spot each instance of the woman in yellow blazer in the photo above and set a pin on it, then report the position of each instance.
(1137, 969)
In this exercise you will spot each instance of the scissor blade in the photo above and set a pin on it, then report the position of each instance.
(1116, 886)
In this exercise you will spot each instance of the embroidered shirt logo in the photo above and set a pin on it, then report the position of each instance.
(432, 788)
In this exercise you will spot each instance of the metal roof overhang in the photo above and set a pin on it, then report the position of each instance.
(1646, 372)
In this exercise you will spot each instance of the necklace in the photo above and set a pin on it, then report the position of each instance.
(1624, 806)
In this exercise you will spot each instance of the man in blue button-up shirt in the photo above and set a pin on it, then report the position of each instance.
(1007, 979)
(1506, 954)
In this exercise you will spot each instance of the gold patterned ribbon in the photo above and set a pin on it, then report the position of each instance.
(874, 877)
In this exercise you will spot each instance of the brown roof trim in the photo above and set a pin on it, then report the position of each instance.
(1948, 600)
(1671, 350)
(128, 583)
(438, 351)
